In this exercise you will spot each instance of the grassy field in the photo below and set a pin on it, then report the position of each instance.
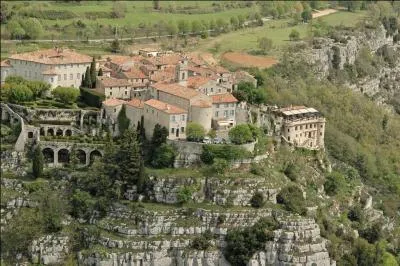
(277, 30)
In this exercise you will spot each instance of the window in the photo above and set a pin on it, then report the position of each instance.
(182, 129)
(232, 112)
(183, 117)
(65, 76)
(320, 133)
(65, 66)
(172, 130)
(110, 93)
(295, 128)
(126, 93)
(115, 110)
(71, 76)
(152, 111)
(322, 126)
(59, 77)
(173, 118)
(225, 113)
(212, 89)
(52, 80)
(78, 75)
(216, 114)
(288, 138)
(301, 127)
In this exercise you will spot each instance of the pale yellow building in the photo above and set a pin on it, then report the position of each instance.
(167, 115)
(58, 67)
(114, 88)
(302, 127)
(224, 110)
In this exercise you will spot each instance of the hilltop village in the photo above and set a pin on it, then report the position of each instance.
(152, 87)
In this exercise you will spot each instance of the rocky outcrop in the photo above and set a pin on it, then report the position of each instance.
(12, 161)
(215, 190)
(49, 250)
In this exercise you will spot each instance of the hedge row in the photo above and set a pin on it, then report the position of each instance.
(227, 152)
(92, 98)
(50, 14)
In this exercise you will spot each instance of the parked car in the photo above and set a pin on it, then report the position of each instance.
(217, 140)
(207, 140)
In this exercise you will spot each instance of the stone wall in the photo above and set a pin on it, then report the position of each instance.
(189, 152)
(49, 249)
(20, 143)
(218, 191)
(12, 161)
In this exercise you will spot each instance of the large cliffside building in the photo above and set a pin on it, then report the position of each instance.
(302, 127)
(58, 67)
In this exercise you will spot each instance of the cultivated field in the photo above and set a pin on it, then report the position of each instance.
(246, 60)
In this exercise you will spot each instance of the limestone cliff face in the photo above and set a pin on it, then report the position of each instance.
(298, 242)
(383, 86)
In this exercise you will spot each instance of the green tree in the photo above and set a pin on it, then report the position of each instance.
(130, 158)
(334, 183)
(306, 15)
(292, 198)
(234, 23)
(73, 158)
(52, 211)
(19, 93)
(240, 134)
(196, 27)
(15, 29)
(32, 27)
(123, 121)
(294, 35)
(115, 46)
(87, 80)
(183, 27)
(82, 204)
(265, 44)
(164, 156)
(37, 162)
(219, 166)
(195, 132)
(93, 73)
(241, 21)
(66, 95)
(257, 201)
(171, 28)
(38, 88)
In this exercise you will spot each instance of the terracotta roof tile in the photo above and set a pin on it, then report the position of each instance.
(162, 76)
(134, 73)
(176, 89)
(113, 82)
(201, 103)
(123, 59)
(197, 81)
(113, 102)
(165, 107)
(5, 63)
(164, 59)
(135, 102)
(55, 56)
(224, 98)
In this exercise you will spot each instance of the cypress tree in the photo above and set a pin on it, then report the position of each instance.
(100, 72)
(123, 121)
(130, 158)
(93, 73)
(83, 83)
(73, 158)
(88, 80)
(37, 162)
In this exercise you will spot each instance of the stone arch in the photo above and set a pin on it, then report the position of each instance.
(48, 155)
(63, 155)
(42, 131)
(59, 132)
(95, 154)
(50, 132)
(68, 132)
(81, 154)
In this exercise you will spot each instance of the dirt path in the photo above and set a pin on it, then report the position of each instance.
(320, 13)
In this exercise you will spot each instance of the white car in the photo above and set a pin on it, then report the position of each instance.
(207, 140)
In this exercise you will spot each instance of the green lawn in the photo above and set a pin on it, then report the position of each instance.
(277, 30)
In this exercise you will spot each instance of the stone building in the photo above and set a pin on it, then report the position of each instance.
(167, 115)
(110, 109)
(224, 110)
(134, 111)
(114, 88)
(302, 127)
(198, 105)
(58, 67)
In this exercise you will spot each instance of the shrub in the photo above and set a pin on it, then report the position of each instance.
(227, 152)
(241, 244)
(294, 35)
(356, 214)
(241, 134)
(333, 183)
(220, 165)
(164, 156)
(257, 201)
(291, 171)
(66, 95)
(184, 194)
(202, 242)
(20, 93)
(195, 132)
(92, 98)
(37, 162)
(292, 198)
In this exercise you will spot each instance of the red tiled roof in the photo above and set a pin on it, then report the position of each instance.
(165, 59)
(224, 98)
(135, 102)
(162, 76)
(113, 102)
(197, 81)
(176, 89)
(134, 73)
(5, 63)
(113, 82)
(201, 103)
(165, 107)
(122, 59)
(55, 56)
